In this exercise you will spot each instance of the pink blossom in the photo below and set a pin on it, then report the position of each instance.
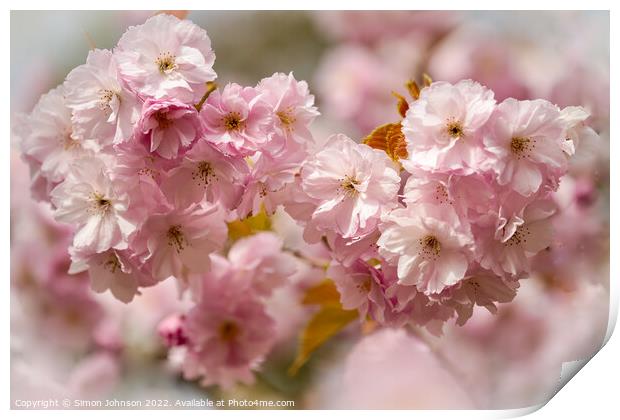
(236, 119)
(111, 270)
(430, 245)
(442, 127)
(166, 57)
(229, 334)
(91, 200)
(479, 288)
(172, 330)
(103, 109)
(48, 138)
(507, 246)
(469, 195)
(348, 250)
(461, 55)
(139, 174)
(169, 127)
(261, 259)
(177, 242)
(354, 184)
(292, 106)
(266, 183)
(574, 118)
(360, 287)
(354, 83)
(207, 173)
(526, 141)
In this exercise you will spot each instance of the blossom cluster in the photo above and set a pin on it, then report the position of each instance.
(148, 160)
(151, 163)
(450, 213)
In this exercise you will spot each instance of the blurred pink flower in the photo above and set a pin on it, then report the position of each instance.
(228, 331)
(260, 258)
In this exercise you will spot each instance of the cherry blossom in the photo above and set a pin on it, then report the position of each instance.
(353, 183)
(527, 144)
(48, 138)
(166, 57)
(443, 127)
(90, 199)
(177, 242)
(168, 127)
(429, 244)
(102, 107)
(228, 334)
(236, 119)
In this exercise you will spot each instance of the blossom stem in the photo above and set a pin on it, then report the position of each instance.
(309, 260)
(211, 86)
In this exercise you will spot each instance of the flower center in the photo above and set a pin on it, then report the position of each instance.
(162, 120)
(286, 118)
(454, 129)
(262, 190)
(518, 238)
(112, 264)
(520, 146)
(228, 330)
(99, 204)
(67, 140)
(105, 97)
(364, 287)
(232, 121)
(431, 247)
(165, 62)
(348, 185)
(176, 238)
(204, 173)
(441, 194)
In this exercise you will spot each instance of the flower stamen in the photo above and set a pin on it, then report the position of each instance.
(349, 185)
(99, 204)
(521, 146)
(228, 330)
(232, 121)
(431, 247)
(454, 129)
(176, 238)
(204, 173)
(166, 62)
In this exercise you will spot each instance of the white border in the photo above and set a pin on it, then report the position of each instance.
(592, 393)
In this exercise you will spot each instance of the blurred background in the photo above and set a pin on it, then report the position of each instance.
(96, 347)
